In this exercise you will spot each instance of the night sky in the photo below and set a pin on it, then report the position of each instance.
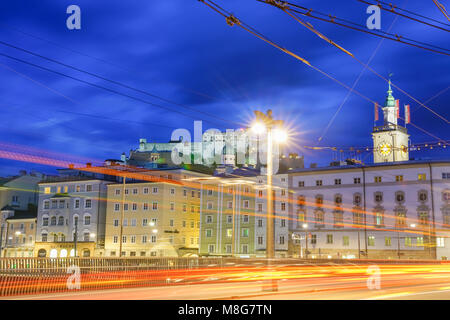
(183, 51)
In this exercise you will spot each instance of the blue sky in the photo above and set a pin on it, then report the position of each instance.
(183, 51)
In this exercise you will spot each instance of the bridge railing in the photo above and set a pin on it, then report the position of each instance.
(20, 276)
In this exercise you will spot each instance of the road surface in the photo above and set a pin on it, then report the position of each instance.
(293, 283)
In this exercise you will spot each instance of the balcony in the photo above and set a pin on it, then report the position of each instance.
(390, 127)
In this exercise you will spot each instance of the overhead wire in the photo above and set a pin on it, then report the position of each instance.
(100, 87)
(232, 20)
(442, 9)
(285, 8)
(392, 10)
(112, 81)
(354, 26)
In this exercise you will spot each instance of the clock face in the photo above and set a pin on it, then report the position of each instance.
(385, 149)
(404, 148)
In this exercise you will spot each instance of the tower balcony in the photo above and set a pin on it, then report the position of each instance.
(390, 127)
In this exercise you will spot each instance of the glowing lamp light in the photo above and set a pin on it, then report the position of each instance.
(155, 231)
(92, 235)
(412, 225)
(18, 233)
(305, 226)
(258, 128)
(280, 135)
(151, 224)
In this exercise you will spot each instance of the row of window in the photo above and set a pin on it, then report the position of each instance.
(408, 241)
(152, 239)
(422, 196)
(244, 247)
(246, 205)
(133, 253)
(86, 236)
(376, 179)
(60, 220)
(67, 189)
(20, 239)
(145, 207)
(63, 204)
(423, 217)
(152, 223)
(155, 190)
(21, 227)
(193, 193)
(245, 219)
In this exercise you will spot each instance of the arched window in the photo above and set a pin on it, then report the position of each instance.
(423, 195)
(400, 197)
(319, 199)
(55, 238)
(53, 221)
(53, 253)
(63, 253)
(86, 253)
(338, 199)
(378, 197)
(320, 218)
(87, 220)
(446, 195)
(42, 253)
(63, 238)
(45, 220)
(60, 221)
(357, 199)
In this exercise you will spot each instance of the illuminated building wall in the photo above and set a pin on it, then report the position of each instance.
(401, 202)
(160, 218)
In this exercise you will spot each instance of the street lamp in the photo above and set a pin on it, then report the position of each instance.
(280, 135)
(305, 227)
(265, 123)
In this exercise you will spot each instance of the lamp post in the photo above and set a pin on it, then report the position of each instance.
(305, 227)
(75, 238)
(265, 122)
(122, 216)
(1, 239)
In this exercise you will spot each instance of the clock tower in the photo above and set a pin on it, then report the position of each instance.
(390, 141)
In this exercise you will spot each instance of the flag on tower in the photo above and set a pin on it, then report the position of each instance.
(397, 106)
(407, 114)
(376, 111)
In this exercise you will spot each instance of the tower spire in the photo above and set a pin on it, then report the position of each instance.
(390, 101)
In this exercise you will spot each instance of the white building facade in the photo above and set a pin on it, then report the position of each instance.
(69, 209)
(386, 211)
